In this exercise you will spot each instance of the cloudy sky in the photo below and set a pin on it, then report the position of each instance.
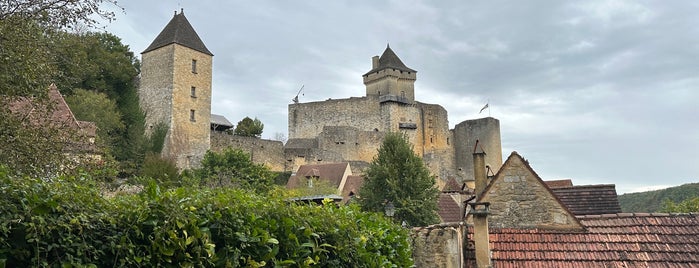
(597, 91)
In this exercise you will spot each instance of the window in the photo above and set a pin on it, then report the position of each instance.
(193, 92)
(191, 116)
(194, 66)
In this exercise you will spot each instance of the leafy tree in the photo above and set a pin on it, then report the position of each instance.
(234, 168)
(58, 13)
(399, 176)
(686, 206)
(249, 127)
(97, 107)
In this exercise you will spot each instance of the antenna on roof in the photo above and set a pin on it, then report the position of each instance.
(296, 99)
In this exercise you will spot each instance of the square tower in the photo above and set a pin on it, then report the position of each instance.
(175, 91)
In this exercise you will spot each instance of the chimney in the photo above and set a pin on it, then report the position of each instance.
(480, 210)
(374, 62)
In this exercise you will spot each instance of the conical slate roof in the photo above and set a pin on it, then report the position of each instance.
(178, 31)
(389, 59)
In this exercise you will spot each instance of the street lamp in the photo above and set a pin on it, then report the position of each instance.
(389, 209)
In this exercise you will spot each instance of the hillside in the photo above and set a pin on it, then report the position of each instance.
(652, 201)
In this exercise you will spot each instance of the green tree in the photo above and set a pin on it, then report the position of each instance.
(58, 13)
(249, 127)
(686, 206)
(97, 107)
(398, 176)
(233, 168)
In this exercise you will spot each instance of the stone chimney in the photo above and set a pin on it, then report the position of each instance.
(480, 211)
(374, 62)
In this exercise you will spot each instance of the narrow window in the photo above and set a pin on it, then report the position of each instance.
(191, 116)
(402, 94)
(194, 66)
(193, 92)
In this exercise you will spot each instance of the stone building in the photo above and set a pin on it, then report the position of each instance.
(351, 130)
(175, 91)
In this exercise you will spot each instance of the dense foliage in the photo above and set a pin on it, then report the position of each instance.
(249, 127)
(65, 222)
(653, 201)
(232, 168)
(398, 176)
(686, 206)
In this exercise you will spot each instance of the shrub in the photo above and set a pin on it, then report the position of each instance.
(66, 222)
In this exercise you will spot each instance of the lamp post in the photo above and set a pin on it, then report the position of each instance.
(389, 209)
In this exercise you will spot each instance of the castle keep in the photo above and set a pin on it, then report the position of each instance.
(175, 92)
(351, 130)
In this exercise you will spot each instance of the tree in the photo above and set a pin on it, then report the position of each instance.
(97, 107)
(233, 168)
(398, 176)
(58, 13)
(249, 127)
(686, 206)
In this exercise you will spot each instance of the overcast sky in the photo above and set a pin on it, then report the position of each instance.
(601, 92)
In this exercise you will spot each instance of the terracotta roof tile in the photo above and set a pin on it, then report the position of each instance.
(559, 183)
(449, 210)
(332, 173)
(613, 240)
(589, 199)
(452, 186)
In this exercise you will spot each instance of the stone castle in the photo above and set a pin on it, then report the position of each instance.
(176, 91)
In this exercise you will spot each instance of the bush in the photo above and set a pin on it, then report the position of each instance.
(66, 222)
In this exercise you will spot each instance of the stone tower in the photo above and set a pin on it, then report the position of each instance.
(487, 132)
(390, 78)
(175, 91)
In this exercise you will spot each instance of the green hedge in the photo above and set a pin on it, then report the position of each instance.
(65, 222)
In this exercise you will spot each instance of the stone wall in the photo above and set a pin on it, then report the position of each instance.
(438, 246)
(519, 199)
(306, 120)
(189, 137)
(487, 131)
(166, 97)
(268, 152)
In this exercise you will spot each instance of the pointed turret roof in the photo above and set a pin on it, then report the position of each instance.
(389, 59)
(179, 31)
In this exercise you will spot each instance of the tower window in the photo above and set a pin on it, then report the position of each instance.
(194, 66)
(193, 92)
(191, 116)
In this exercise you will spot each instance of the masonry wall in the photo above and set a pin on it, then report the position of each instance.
(306, 120)
(267, 152)
(439, 246)
(155, 90)
(189, 137)
(518, 199)
(487, 131)
(391, 81)
(166, 97)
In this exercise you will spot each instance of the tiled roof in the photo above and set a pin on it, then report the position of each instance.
(389, 59)
(559, 183)
(331, 173)
(449, 210)
(352, 185)
(79, 134)
(589, 199)
(179, 31)
(220, 120)
(451, 186)
(613, 240)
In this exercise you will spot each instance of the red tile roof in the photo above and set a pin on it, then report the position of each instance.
(613, 240)
(352, 185)
(332, 173)
(589, 199)
(452, 186)
(449, 210)
(559, 183)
